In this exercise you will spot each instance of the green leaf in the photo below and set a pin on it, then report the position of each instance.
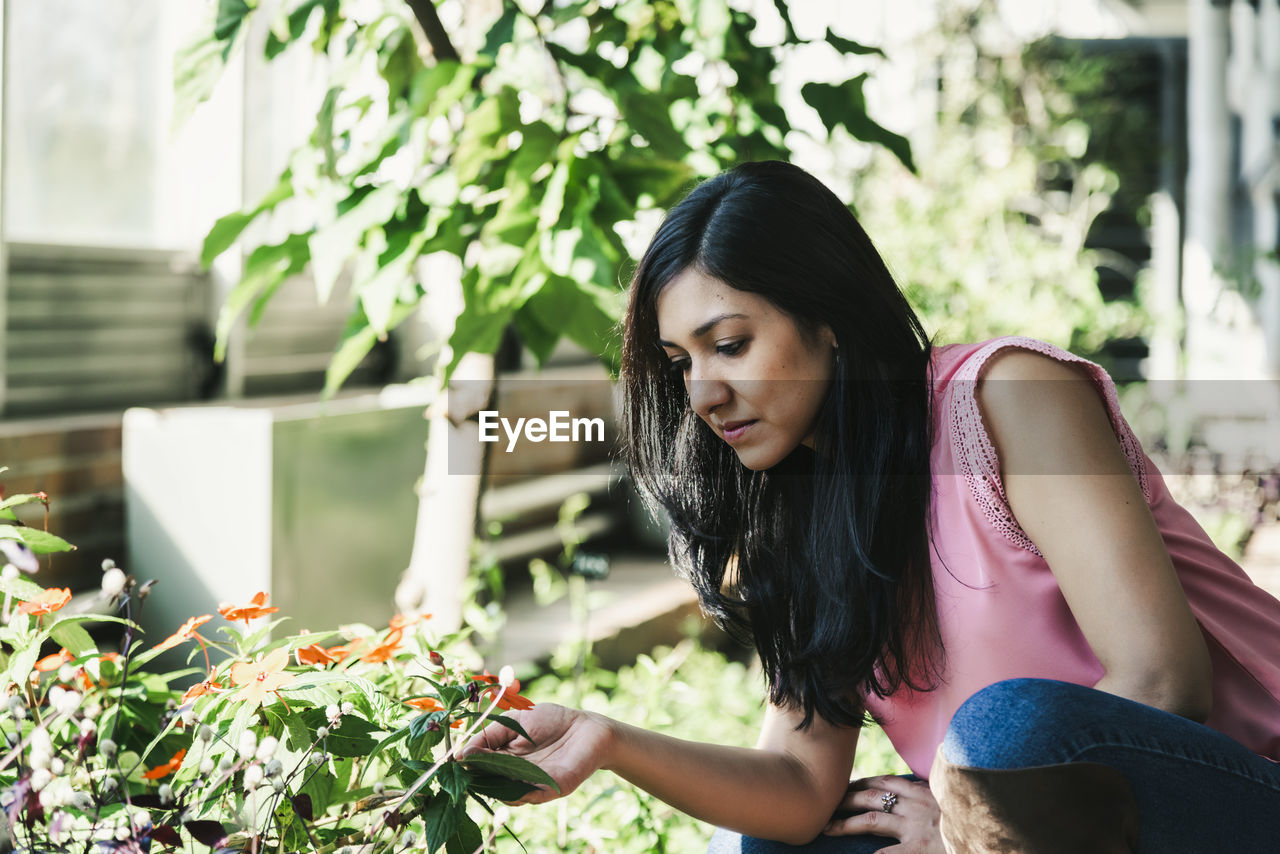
(440, 821)
(845, 104)
(231, 14)
(265, 269)
(510, 766)
(358, 338)
(228, 228)
(23, 498)
(332, 245)
(498, 787)
(785, 13)
(40, 542)
(72, 636)
(468, 839)
(453, 780)
(354, 736)
(297, 25)
(851, 47)
(501, 32)
(513, 725)
(20, 588)
(649, 114)
(291, 828)
(320, 787)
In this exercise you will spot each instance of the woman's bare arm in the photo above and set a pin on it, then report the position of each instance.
(786, 788)
(1071, 490)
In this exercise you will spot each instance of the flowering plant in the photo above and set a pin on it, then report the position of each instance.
(342, 741)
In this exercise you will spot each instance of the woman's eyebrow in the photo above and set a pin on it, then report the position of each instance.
(704, 328)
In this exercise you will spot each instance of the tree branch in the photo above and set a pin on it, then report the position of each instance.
(429, 20)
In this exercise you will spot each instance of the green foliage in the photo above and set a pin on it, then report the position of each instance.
(990, 237)
(522, 145)
(282, 746)
(688, 692)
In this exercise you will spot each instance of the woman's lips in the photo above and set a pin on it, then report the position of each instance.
(735, 431)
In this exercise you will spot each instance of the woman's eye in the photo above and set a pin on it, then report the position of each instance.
(679, 366)
(732, 348)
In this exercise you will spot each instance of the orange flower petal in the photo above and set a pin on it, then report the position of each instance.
(52, 662)
(46, 602)
(426, 704)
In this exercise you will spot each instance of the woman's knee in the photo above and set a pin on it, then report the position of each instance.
(1015, 723)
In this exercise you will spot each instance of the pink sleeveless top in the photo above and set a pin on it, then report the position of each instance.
(1000, 611)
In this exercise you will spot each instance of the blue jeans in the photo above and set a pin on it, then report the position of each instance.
(1198, 791)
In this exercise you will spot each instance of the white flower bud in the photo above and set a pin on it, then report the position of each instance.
(67, 673)
(348, 708)
(63, 701)
(379, 787)
(248, 744)
(88, 727)
(225, 765)
(57, 766)
(507, 675)
(409, 839)
(206, 766)
(10, 572)
(107, 785)
(40, 778)
(315, 759)
(113, 581)
(322, 732)
(273, 768)
(267, 748)
(277, 783)
(166, 794)
(123, 832)
(50, 798)
(107, 748)
(188, 716)
(108, 564)
(41, 748)
(332, 712)
(206, 733)
(252, 777)
(82, 801)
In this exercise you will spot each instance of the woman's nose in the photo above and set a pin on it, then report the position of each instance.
(706, 392)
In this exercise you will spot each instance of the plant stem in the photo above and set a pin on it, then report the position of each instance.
(425, 13)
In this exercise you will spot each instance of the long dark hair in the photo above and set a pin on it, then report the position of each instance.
(823, 559)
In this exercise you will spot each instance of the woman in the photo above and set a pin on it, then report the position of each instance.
(965, 543)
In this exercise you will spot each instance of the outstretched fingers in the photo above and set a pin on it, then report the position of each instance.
(883, 806)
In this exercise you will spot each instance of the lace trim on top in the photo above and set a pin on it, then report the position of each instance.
(976, 456)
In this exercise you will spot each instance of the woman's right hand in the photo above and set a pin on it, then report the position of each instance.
(569, 744)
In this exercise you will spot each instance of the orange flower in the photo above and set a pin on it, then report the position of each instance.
(509, 699)
(208, 686)
(257, 607)
(52, 662)
(167, 768)
(384, 650)
(403, 621)
(46, 602)
(261, 677)
(184, 633)
(425, 704)
(91, 673)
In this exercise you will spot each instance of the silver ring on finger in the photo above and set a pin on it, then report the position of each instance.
(887, 801)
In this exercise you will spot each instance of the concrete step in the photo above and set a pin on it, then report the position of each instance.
(639, 605)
